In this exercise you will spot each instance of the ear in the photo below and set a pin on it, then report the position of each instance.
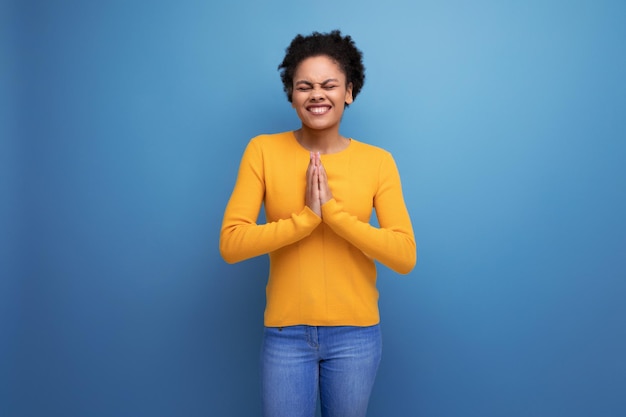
(349, 98)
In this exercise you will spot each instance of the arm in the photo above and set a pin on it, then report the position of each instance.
(393, 244)
(241, 237)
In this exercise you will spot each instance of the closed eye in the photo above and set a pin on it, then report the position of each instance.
(303, 85)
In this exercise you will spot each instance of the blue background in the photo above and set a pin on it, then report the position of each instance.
(122, 127)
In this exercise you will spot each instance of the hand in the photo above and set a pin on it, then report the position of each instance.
(325, 193)
(312, 192)
(317, 189)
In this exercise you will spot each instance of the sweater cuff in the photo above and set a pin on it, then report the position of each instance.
(308, 218)
(330, 209)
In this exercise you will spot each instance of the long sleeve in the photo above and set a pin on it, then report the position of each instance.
(393, 244)
(241, 237)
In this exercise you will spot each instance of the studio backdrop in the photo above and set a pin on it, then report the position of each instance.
(123, 124)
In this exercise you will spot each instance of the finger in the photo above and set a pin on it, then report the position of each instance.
(312, 180)
(324, 189)
(310, 168)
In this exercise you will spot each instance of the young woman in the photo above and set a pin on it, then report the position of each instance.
(322, 334)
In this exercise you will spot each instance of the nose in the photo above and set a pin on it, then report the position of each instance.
(317, 93)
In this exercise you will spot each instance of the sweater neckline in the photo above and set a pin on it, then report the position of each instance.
(341, 152)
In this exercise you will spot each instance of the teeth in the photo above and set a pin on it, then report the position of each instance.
(318, 110)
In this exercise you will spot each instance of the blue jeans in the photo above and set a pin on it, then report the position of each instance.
(338, 363)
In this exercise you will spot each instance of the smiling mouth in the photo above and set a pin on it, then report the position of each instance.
(319, 110)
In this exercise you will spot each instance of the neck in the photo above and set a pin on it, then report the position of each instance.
(322, 141)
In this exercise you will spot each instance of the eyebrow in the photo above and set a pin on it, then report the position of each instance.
(322, 83)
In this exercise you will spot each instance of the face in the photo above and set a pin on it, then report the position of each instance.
(320, 93)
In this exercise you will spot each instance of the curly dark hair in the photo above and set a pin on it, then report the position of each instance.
(340, 49)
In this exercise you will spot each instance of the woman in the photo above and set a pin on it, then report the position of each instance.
(322, 334)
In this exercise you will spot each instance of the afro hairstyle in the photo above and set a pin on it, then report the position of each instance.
(340, 49)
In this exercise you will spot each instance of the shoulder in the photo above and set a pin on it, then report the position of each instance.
(369, 151)
(272, 140)
(374, 157)
(266, 146)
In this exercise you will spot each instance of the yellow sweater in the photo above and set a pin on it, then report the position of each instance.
(322, 270)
